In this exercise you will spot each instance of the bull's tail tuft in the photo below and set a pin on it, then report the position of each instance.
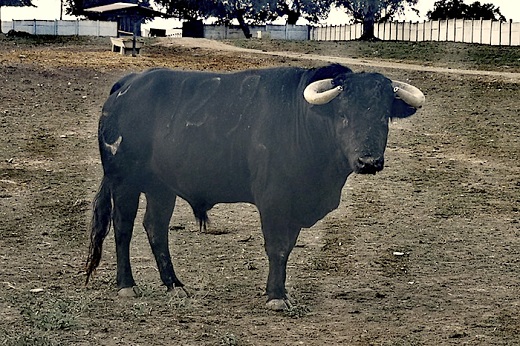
(202, 218)
(100, 226)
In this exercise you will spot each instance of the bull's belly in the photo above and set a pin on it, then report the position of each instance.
(206, 184)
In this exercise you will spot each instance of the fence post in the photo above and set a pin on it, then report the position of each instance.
(491, 32)
(463, 28)
(510, 32)
(499, 32)
(454, 30)
(481, 31)
(472, 30)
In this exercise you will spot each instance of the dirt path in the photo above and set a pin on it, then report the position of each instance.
(221, 46)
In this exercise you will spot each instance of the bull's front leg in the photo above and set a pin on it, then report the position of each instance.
(280, 238)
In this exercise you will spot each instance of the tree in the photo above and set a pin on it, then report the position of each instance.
(183, 9)
(244, 11)
(13, 3)
(369, 12)
(311, 10)
(457, 9)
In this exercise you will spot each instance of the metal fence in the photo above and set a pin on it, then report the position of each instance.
(62, 27)
(455, 30)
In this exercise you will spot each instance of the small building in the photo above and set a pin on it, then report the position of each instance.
(129, 16)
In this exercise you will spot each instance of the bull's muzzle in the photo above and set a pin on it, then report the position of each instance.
(369, 165)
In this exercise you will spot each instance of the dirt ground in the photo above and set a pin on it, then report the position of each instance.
(426, 252)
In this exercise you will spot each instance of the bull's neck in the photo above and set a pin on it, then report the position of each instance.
(316, 139)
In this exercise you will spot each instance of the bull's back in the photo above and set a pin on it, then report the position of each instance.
(195, 130)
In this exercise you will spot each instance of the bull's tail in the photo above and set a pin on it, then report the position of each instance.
(100, 226)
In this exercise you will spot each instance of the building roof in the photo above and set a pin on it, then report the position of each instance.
(111, 7)
(117, 6)
(17, 3)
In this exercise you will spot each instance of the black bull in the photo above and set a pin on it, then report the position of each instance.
(283, 139)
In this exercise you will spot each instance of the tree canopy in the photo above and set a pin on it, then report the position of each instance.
(370, 12)
(457, 9)
(244, 11)
(248, 12)
(13, 3)
(311, 10)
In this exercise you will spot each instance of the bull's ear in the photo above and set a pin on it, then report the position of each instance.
(401, 109)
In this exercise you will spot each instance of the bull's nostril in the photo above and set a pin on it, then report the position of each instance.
(362, 162)
(368, 164)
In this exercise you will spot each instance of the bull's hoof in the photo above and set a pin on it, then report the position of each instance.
(278, 304)
(129, 292)
(178, 292)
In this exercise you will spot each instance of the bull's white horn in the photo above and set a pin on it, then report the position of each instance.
(409, 94)
(321, 92)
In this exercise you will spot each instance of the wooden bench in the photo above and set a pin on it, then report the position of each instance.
(126, 45)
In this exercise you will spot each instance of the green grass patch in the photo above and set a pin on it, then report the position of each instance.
(442, 54)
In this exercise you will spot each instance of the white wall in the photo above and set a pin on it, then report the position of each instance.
(277, 32)
(454, 30)
(62, 27)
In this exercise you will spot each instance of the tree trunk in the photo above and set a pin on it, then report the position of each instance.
(292, 17)
(368, 25)
(368, 30)
(243, 25)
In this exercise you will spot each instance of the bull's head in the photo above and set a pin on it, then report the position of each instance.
(362, 105)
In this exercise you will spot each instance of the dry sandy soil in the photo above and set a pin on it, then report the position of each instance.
(425, 253)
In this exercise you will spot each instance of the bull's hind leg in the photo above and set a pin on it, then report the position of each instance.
(160, 202)
(126, 202)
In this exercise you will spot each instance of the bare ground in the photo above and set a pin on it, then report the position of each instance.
(424, 253)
